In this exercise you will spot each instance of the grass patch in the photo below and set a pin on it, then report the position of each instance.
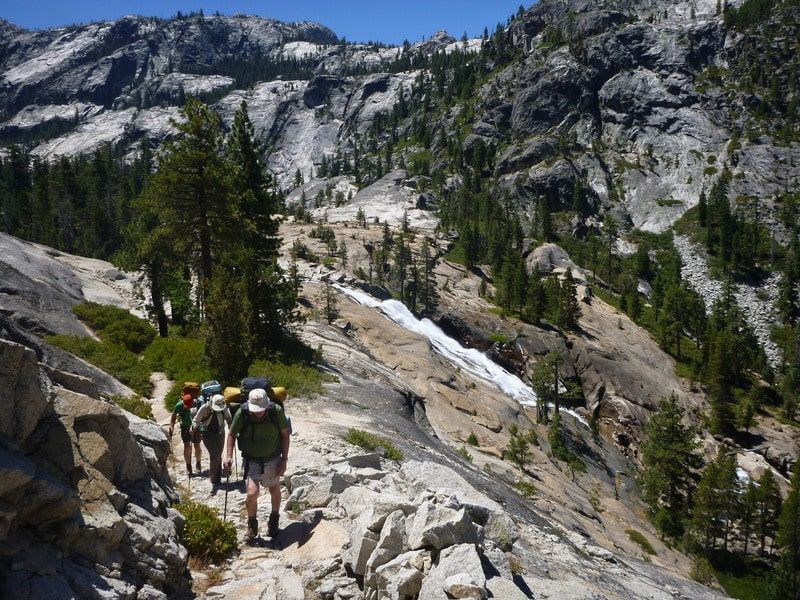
(182, 360)
(498, 338)
(297, 378)
(638, 538)
(116, 360)
(370, 441)
(207, 537)
(116, 325)
(135, 405)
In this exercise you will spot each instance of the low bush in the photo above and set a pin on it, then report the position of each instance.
(526, 489)
(297, 378)
(370, 441)
(112, 358)
(116, 325)
(206, 536)
(472, 439)
(464, 453)
(135, 405)
(638, 538)
(176, 356)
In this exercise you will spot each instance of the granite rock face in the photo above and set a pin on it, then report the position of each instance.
(84, 510)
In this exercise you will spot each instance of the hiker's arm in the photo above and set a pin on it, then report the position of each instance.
(229, 449)
(172, 423)
(284, 450)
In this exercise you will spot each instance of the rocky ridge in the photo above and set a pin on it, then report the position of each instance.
(85, 493)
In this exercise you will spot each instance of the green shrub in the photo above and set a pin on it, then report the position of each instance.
(526, 489)
(370, 441)
(205, 535)
(472, 439)
(135, 405)
(112, 358)
(297, 378)
(702, 571)
(464, 453)
(176, 356)
(116, 325)
(558, 446)
(638, 538)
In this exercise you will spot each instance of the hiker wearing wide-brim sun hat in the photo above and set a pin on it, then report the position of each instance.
(211, 419)
(263, 435)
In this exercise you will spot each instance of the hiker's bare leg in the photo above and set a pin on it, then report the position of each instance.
(198, 453)
(252, 497)
(275, 495)
(187, 453)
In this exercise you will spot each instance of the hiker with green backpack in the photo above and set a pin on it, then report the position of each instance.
(261, 429)
(210, 421)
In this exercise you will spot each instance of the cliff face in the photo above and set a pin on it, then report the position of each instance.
(640, 100)
(84, 493)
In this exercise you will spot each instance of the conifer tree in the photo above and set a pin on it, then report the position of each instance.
(189, 193)
(668, 457)
(228, 337)
(768, 509)
(786, 580)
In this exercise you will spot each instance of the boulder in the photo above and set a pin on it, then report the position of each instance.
(22, 397)
(322, 492)
(459, 571)
(390, 545)
(504, 589)
(440, 527)
(401, 578)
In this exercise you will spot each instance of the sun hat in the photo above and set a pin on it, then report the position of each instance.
(258, 401)
(217, 402)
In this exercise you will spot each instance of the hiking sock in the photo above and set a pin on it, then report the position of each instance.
(272, 526)
(252, 528)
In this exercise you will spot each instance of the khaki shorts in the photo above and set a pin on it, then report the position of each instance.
(268, 476)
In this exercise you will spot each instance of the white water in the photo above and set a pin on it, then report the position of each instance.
(468, 359)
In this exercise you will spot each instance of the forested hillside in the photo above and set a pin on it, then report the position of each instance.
(636, 154)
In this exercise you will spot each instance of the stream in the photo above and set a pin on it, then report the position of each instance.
(467, 359)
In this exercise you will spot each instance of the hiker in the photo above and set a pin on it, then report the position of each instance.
(260, 426)
(188, 436)
(210, 421)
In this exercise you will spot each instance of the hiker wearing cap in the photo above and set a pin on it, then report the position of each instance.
(210, 421)
(261, 428)
(183, 410)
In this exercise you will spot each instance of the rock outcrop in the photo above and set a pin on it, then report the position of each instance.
(84, 493)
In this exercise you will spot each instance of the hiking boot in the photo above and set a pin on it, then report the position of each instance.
(199, 467)
(252, 528)
(214, 489)
(272, 526)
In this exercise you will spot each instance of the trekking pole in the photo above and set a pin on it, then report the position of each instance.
(227, 485)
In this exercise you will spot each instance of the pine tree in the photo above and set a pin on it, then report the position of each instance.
(768, 509)
(327, 300)
(747, 512)
(228, 338)
(786, 581)
(189, 193)
(668, 457)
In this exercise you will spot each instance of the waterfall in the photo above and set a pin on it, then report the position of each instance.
(467, 359)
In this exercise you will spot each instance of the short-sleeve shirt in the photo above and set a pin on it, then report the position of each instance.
(259, 439)
(184, 413)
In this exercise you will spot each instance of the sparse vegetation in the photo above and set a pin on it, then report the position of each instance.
(207, 537)
(116, 325)
(526, 489)
(112, 358)
(370, 441)
(638, 538)
(135, 405)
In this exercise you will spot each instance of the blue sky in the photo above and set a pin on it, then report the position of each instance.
(358, 20)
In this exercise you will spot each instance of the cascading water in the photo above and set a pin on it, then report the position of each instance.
(468, 359)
